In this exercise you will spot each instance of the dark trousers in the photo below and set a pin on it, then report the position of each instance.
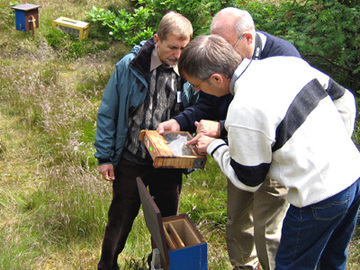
(164, 185)
(318, 235)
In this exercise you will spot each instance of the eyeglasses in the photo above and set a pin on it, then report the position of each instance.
(237, 42)
(197, 87)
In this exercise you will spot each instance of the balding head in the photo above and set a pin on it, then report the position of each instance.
(232, 19)
(235, 25)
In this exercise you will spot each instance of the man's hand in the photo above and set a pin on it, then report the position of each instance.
(170, 125)
(208, 128)
(202, 142)
(107, 170)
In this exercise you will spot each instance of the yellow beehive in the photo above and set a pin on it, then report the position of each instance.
(78, 28)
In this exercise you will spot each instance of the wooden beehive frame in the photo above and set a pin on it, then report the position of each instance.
(163, 155)
(180, 233)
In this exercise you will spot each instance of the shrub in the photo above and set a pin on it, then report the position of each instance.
(131, 28)
(326, 32)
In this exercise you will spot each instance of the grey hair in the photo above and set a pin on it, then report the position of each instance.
(206, 55)
(176, 24)
(242, 21)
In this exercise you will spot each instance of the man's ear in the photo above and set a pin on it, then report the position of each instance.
(156, 38)
(249, 37)
(216, 78)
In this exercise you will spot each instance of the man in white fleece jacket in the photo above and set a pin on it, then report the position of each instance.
(294, 122)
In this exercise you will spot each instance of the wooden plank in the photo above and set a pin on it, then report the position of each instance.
(176, 236)
(169, 240)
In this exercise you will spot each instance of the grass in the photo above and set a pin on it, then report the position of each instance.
(53, 202)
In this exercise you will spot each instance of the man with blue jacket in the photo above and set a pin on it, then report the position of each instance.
(144, 90)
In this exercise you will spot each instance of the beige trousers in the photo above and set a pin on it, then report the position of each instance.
(254, 224)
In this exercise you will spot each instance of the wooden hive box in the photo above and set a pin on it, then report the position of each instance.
(74, 27)
(169, 150)
(180, 244)
(25, 15)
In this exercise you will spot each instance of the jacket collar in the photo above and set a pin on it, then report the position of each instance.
(238, 72)
(147, 59)
(142, 60)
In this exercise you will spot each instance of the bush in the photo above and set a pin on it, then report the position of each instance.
(131, 28)
(325, 32)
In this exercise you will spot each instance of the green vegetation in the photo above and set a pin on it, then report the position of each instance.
(326, 32)
(53, 202)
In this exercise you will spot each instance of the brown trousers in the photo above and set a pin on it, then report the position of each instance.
(253, 230)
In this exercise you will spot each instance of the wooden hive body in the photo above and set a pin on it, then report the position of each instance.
(165, 155)
(180, 244)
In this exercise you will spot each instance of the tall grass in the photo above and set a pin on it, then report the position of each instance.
(53, 202)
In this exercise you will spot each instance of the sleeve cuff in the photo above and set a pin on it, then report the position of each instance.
(214, 145)
(104, 161)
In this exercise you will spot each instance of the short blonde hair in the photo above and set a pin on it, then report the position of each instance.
(176, 24)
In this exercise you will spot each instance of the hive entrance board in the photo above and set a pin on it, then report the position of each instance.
(170, 150)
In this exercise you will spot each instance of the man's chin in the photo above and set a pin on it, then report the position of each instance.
(172, 63)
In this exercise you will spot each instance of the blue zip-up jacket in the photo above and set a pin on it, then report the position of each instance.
(124, 92)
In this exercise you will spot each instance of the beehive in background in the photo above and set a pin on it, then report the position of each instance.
(26, 16)
(78, 28)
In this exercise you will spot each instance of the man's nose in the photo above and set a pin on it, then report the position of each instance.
(177, 54)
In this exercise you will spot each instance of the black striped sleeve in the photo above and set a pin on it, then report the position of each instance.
(251, 176)
(303, 104)
(335, 90)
